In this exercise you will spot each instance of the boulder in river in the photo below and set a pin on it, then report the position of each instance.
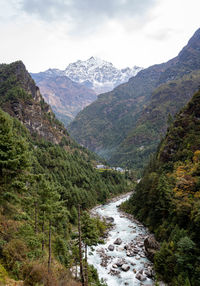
(114, 272)
(140, 277)
(151, 246)
(125, 267)
(120, 262)
(111, 247)
(118, 241)
(109, 219)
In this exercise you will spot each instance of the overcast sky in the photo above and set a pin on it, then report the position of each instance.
(53, 33)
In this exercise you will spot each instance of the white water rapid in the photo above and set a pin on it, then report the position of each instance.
(129, 232)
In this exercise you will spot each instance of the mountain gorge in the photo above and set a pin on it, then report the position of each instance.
(69, 91)
(125, 125)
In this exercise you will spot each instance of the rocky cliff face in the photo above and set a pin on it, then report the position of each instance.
(65, 96)
(21, 98)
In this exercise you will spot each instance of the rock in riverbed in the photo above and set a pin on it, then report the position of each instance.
(118, 241)
(140, 277)
(125, 267)
(111, 247)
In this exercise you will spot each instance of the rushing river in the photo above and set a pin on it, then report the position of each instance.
(104, 260)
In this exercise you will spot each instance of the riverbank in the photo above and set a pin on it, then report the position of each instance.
(122, 260)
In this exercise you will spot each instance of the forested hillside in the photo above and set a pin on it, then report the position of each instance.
(45, 175)
(153, 121)
(125, 125)
(167, 199)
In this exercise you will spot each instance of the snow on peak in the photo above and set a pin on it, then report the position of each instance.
(100, 75)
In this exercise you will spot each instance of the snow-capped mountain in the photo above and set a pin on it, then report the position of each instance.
(99, 75)
(69, 91)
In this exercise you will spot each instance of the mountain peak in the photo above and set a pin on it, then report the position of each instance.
(101, 75)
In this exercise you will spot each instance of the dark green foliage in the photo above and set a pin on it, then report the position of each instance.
(41, 184)
(61, 251)
(167, 199)
(93, 277)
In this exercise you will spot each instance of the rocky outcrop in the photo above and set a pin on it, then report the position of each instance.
(67, 98)
(151, 246)
(21, 98)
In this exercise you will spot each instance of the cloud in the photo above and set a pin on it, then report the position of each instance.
(84, 15)
(162, 34)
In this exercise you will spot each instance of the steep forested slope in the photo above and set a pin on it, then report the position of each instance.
(102, 125)
(167, 199)
(124, 125)
(153, 120)
(44, 175)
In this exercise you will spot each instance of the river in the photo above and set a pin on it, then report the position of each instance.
(129, 231)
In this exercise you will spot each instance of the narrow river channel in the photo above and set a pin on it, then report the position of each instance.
(127, 262)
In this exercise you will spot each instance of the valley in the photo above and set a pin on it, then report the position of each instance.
(125, 125)
(114, 198)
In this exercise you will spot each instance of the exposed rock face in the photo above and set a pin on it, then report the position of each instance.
(65, 97)
(151, 246)
(22, 99)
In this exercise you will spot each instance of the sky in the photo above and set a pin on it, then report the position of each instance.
(53, 33)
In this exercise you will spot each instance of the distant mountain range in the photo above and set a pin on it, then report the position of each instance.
(69, 91)
(99, 75)
(126, 125)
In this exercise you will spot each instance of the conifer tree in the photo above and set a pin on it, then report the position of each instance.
(90, 236)
(14, 160)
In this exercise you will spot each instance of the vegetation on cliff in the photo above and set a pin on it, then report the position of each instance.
(44, 176)
(167, 199)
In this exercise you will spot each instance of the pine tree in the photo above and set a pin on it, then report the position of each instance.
(90, 236)
(14, 161)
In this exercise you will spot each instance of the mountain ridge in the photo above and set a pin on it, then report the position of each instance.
(128, 103)
(69, 91)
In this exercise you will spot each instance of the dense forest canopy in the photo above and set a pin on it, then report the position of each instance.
(167, 198)
(42, 183)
